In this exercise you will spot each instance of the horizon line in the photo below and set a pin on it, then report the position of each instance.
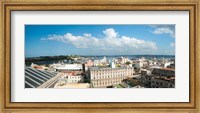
(103, 55)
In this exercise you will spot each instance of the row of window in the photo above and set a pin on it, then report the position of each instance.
(99, 74)
(108, 80)
(105, 77)
(163, 71)
(74, 77)
(104, 71)
(155, 84)
(164, 86)
(106, 83)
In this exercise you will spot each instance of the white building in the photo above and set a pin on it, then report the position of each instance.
(68, 67)
(73, 85)
(97, 62)
(103, 77)
(104, 60)
(112, 64)
(139, 64)
(69, 78)
(75, 79)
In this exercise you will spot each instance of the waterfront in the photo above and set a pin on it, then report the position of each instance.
(98, 57)
(118, 71)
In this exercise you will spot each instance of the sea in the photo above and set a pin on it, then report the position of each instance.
(108, 57)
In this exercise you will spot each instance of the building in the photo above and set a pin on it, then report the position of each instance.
(104, 60)
(87, 64)
(97, 62)
(165, 64)
(112, 64)
(72, 85)
(163, 82)
(36, 78)
(138, 64)
(158, 78)
(133, 81)
(171, 66)
(123, 60)
(145, 79)
(67, 67)
(167, 72)
(104, 77)
(39, 67)
(71, 77)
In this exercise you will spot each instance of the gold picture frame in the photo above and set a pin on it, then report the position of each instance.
(121, 5)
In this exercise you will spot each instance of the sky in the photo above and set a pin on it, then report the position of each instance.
(52, 40)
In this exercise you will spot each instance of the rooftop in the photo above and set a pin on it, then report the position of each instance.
(35, 78)
(165, 78)
(170, 69)
(106, 68)
(73, 85)
(68, 66)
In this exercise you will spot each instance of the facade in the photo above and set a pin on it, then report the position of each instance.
(75, 79)
(103, 77)
(97, 62)
(158, 78)
(123, 60)
(72, 85)
(145, 79)
(160, 82)
(70, 78)
(166, 64)
(87, 64)
(39, 67)
(171, 66)
(67, 67)
(138, 65)
(167, 72)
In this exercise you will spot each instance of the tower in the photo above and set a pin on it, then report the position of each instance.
(112, 64)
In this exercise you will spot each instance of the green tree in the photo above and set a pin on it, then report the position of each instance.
(127, 63)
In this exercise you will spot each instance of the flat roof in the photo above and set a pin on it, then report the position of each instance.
(73, 85)
(69, 66)
(171, 69)
(107, 68)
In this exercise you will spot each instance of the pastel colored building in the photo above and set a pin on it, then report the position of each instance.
(104, 77)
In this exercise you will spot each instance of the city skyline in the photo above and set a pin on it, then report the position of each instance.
(52, 40)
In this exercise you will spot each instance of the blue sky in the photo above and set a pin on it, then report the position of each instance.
(50, 40)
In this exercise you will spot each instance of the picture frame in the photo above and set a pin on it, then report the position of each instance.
(98, 5)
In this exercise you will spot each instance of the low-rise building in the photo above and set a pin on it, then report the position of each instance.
(158, 78)
(72, 85)
(67, 67)
(71, 78)
(167, 72)
(162, 82)
(39, 67)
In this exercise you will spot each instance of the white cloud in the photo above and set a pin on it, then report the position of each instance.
(111, 41)
(110, 33)
(164, 29)
(172, 44)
